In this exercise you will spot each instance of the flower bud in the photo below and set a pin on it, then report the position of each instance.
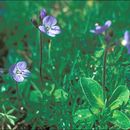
(42, 14)
(34, 22)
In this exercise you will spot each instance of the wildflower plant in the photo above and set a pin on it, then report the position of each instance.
(58, 71)
(49, 27)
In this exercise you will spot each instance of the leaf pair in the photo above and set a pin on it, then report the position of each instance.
(94, 94)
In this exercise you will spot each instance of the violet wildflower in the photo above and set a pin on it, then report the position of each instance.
(19, 71)
(101, 29)
(126, 40)
(42, 14)
(49, 26)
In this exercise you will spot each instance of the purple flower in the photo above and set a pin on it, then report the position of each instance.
(49, 26)
(43, 14)
(101, 29)
(126, 41)
(19, 71)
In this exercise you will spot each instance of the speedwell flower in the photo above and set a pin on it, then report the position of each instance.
(49, 26)
(101, 29)
(19, 71)
(126, 40)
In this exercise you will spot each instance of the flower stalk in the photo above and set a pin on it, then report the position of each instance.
(40, 66)
(104, 70)
(49, 52)
(18, 94)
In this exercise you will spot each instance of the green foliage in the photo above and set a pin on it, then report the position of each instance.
(6, 118)
(60, 95)
(84, 115)
(120, 119)
(71, 96)
(35, 96)
(93, 92)
(119, 96)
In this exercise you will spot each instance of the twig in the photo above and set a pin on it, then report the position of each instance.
(19, 123)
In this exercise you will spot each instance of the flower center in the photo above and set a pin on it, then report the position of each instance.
(18, 72)
(47, 27)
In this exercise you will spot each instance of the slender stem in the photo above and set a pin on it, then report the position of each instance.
(104, 70)
(17, 91)
(49, 52)
(40, 66)
(18, 95)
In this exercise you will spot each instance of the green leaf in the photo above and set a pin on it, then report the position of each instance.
(10, 111)
(11, 117)
(120, 119)
(11, 121)
(60, 94)
(93, 92)
(99, 53)
(119, 96)
(49, 92)
(9, 127)
(35, 96)
(83, 115)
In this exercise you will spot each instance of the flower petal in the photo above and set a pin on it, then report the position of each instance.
(26, 73)
(51, 34)
(42, 29)
(127, 36)
(108, 23)
(92, 31)
(21, 65)
(55, 30)
(128, 48)
(49, 21)
(11, 69)
(98, 27)
(18, 78)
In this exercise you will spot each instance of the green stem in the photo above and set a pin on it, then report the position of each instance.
(49, 53)
(18, 95)
(40, 67)
(104, 70)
